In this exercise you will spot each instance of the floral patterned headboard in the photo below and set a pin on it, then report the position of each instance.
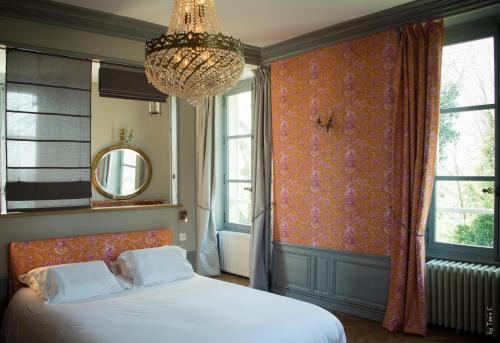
(28, 255)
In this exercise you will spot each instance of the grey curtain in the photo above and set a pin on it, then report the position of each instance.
(260, 241)
(207, 254)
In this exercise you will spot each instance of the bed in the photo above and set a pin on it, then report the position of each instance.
(197, 309)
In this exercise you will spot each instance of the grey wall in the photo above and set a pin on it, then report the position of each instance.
(343, 281)
(187, 171)
(75, 42)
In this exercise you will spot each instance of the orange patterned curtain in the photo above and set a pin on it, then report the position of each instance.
(417, 83)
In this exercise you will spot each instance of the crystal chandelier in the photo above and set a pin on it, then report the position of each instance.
(193, 60)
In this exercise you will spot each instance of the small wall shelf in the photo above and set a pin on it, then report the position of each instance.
(90, 210)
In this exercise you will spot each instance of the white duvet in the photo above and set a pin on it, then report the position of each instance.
(188, 311)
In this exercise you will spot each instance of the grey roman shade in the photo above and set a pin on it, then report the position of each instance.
(47, 131)
(118, 81)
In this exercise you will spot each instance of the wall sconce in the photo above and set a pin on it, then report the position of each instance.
(183, 216)
(154, 108)
(125, 136)
(328, 125)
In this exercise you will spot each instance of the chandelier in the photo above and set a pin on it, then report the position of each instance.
(193, 60)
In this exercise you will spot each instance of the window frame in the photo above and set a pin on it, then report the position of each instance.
(242, 87)
(456, 252)
(3, 132)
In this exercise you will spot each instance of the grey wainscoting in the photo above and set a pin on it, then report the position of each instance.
(344, 281)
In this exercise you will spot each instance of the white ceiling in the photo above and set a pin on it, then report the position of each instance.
(255, 22)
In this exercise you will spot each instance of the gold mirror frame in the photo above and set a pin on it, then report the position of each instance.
(103, 152)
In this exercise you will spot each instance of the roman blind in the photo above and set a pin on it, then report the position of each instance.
(47, 121)
(124, 82)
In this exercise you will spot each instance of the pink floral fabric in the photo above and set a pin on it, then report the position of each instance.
(333, 190)
(25, 256)
(417, 89)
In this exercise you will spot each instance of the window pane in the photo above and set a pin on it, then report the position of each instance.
(464, 213)
(240, 158)
(239, 108)
(467, 144)
(468, 74)
(239, 203)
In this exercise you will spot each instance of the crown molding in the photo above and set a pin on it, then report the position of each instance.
(74, 17)
(54, 13)
(377, 22)
(252, 54)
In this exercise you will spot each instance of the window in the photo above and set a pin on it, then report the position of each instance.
(238, 158)
(47, 132)
(462, 220)
(3, 171)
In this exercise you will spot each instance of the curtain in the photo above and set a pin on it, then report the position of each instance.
(417, 83)
(260, 241)
(207, 258)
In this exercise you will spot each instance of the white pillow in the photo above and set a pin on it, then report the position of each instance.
(69, 282)
(155, 265)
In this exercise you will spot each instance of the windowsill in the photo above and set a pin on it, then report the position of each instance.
(233, 229)
(89, 210)
(459, 257)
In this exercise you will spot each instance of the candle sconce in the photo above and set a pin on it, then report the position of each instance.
(125, 136)
(328, 125)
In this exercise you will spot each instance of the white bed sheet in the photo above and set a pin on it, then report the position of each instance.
(189, 311)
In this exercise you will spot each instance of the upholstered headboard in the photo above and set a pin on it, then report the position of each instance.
(28, 255)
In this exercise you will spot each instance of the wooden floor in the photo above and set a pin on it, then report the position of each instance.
(360, 330)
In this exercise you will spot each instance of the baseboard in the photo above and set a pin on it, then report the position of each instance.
(337, 280)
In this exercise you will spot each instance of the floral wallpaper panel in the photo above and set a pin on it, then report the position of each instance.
(332, 190)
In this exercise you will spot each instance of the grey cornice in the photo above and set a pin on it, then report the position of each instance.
(377, 22)
(54, 13)
(252, 54)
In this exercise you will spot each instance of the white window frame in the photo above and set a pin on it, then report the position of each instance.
(459, 252)
(242, 87)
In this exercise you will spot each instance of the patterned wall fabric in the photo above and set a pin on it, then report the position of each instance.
(332, 190)
(25, 256)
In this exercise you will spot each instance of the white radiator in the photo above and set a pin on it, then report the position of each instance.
(234, 251)
(463, 296)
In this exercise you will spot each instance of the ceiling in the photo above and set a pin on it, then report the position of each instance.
(255, 22)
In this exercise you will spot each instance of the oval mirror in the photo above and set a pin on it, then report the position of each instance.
(121, 172)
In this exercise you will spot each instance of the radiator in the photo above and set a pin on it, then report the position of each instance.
(463, 296)
(234, 252)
